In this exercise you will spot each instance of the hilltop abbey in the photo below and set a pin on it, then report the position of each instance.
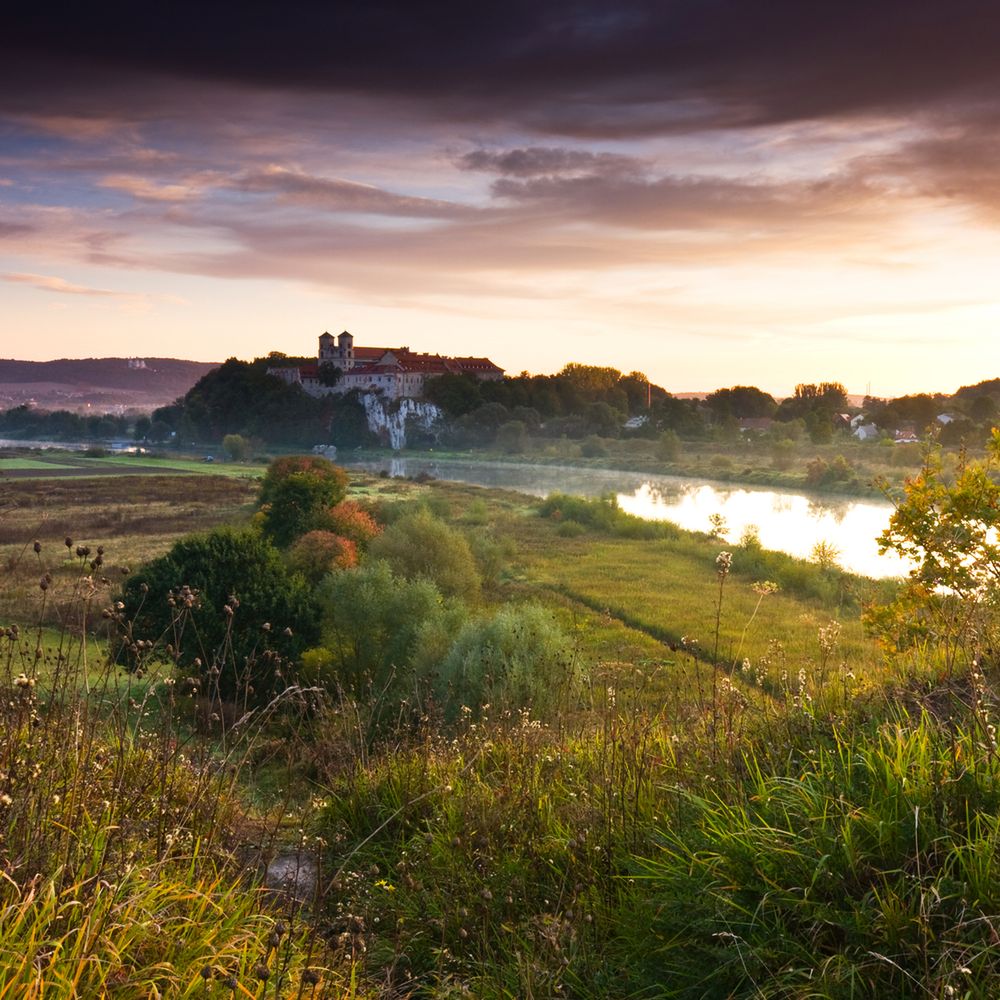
(396, 372)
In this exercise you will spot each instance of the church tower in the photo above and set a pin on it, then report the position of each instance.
(327, 348)
(346, 351)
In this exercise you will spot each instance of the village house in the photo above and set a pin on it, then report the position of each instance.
(395, 372)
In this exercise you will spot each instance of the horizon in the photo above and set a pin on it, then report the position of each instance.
(853, 397)
(703, 193)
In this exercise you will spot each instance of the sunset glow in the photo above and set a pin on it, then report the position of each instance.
(711, 193)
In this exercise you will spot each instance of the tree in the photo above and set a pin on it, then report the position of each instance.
(455, 394)
(419, 546)
(296, 495)
(741, 401)
(668, 447)
(948, 534)
(512, 437)
(372, 624)
(236, 447)
(223, 601)
(329, 374)
(518, 658)
(317, 553)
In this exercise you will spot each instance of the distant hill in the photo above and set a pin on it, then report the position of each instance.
(102, 384)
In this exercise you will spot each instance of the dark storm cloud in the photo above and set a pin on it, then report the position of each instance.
(583, 68)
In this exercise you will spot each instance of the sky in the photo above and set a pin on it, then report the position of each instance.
(710, 192)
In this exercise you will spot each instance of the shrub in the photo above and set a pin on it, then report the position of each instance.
(372, 622)
(593, 447)
(236, 446)
(492, 554)
(668, 447)
(350, 520)
(297, 494)
(182, 599)
(604, 514)
(316, 553)
(518, 658)
(512, 437)
(419, 546)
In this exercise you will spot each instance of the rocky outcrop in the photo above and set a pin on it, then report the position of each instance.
(389, 419)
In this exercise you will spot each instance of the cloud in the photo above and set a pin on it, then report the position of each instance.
(50, 283)
(536, 161)
(338, 195)
(147, 189)
(577, 67)
(10, 229)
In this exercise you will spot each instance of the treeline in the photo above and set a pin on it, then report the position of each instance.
(240, 398)
(585, 401)
(64, 425)
(580, 402)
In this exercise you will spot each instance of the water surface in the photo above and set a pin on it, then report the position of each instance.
(784, 520)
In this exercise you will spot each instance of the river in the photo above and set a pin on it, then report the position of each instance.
(784, 520)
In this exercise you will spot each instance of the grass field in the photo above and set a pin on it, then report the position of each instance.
(820, 824)
(64, 464)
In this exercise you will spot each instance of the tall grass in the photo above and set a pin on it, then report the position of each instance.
(130, 865)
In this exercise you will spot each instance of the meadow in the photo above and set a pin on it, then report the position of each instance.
(741, 795)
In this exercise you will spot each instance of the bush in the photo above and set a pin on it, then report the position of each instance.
(604, 514)
(182, 599)
(297, 494)
(518, 658)
(372, 623)
(512, 437)
(419, 546)
(593, 447)
(350, 520)
(316, 553)
(668, 447)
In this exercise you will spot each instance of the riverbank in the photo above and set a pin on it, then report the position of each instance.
(702, 466)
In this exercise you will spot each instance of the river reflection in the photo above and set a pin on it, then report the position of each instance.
(789, 522)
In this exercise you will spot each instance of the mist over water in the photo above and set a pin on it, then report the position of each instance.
(785, 521)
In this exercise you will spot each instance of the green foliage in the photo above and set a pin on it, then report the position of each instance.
(593, 447)
(241, 398)
(236, 447)
(420, 546)
(518, 658)
(181, 599)
(668, 446)
(603, 514)
(492, 554)
(512, 437)
(297, 494)
(455, 394)
(372, 624)
(741, 401)
(819, 472)
(864, 869)
(948, 532)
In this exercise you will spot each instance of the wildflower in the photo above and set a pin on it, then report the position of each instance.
(6, 800)
(764, 587)
(723, 563)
